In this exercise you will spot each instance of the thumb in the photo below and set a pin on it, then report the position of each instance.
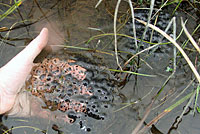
(15, 72)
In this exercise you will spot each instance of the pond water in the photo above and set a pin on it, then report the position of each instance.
(72, 24)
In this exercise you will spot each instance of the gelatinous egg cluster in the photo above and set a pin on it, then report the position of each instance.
(160, 20)
(75, 87)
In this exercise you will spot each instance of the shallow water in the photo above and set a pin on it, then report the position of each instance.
(73, 23)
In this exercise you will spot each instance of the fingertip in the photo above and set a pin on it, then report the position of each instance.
(43, 38)
(44, 31)
(35, 46)
(22, 63)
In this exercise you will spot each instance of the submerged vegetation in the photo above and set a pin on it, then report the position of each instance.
(154, 38)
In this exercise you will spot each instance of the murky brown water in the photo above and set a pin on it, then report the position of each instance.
(73, 23)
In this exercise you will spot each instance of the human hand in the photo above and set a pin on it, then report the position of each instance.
(15, 72)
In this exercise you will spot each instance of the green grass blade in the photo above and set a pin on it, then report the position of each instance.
(130, 72)
(197, 94)
(177, 7)
(124, 35)
(179, 102)
(11, 9)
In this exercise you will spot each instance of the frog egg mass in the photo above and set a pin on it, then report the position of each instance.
(74, 87)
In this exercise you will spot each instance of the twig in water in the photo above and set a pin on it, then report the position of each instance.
(99, 2)
(133, 21)
(115, 32)
(177, 46)
(190, 37)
